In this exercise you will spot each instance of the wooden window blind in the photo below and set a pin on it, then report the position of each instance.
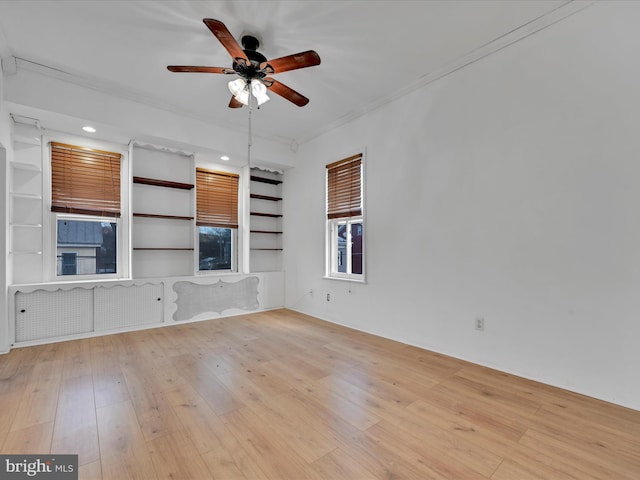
(85, 180)
(216, 199)
(344, 188)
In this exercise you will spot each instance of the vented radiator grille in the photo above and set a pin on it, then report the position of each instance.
(119, 307)
(43, 314)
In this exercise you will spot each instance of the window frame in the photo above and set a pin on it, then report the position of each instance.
(86, 218)
(235, 230)
(234, 252)
(332, 224)
(50, 218)
(332, 228)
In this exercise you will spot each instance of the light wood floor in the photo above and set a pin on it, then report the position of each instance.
(279, 395)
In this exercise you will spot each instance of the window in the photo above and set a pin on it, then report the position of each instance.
(216, 220)
(345, 221)
(86, 247)
(85, 201)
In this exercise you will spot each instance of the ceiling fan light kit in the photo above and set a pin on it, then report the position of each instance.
(253, 68)
(240, 87)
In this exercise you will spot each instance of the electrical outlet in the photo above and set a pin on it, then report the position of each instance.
(480, 324)
(328, 297)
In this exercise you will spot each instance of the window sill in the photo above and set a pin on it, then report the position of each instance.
(213, 273)
(346, 279)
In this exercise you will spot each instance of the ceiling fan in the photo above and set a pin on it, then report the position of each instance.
(253, 68)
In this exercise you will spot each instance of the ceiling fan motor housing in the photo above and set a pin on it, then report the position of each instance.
(252, 71)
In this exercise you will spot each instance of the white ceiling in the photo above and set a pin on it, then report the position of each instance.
(369, 50)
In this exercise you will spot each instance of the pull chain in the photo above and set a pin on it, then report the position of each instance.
(249, 142)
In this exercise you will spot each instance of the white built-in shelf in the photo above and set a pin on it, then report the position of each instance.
(265, 197)
(27, 225)
(167, 217)
(176, 249)
(24, 140)
(162, 183)
(33, 196)
(256, 178)
(30, 167)
(26, 252)
(262, 214)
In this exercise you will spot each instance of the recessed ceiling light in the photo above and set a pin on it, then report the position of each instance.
(224, 157)
(89, 129)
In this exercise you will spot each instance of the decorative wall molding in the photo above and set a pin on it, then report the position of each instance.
(194, 299)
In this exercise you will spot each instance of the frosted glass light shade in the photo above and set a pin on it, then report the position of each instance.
(259, 91)
(239, 90)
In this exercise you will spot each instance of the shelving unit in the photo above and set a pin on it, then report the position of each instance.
(266, 221)
(163, 218)
(26, 208)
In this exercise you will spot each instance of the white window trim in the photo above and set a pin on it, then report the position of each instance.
(332, 249)
(234, 253)
(93, 218)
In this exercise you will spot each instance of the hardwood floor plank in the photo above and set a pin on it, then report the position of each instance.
(197, 417)
(9, 404)
(77, 359)
(581, 456)
(430, 454)
(118, 431)
(76, 428)
(385, 460)
(339, 465)
(463, 426)
(271, 452)
(295, 426)
(333, 410)
(40, 397)
(35, 439)
(175, 456)
(121, 467)
(232, 458)
(109, 386)
(154, 414)
(207, 384)
(90, 471)
(480, 410)
(221, 466)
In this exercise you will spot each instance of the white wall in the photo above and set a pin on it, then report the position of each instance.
(506, 190)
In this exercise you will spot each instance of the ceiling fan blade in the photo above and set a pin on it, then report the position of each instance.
(286, 92)
(233, 103)
(226, 39)
(291, 62)
(187, 68)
